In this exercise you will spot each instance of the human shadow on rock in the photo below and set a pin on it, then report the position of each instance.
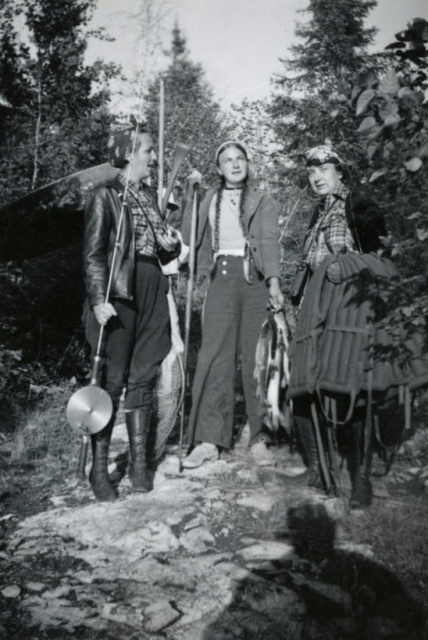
(320, 592)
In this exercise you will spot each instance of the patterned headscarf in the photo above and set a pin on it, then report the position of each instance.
(322, 154)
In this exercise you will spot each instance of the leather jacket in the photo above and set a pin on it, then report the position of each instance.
(102, 213)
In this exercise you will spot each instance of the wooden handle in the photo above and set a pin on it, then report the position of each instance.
(83, 456)
(188, 316)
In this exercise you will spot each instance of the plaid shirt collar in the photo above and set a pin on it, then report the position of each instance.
(330, 233)
(147, 224)
(332, 198)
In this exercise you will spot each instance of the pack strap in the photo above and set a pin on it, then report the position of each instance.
(320, 446)
(368, 435)
(332, 443)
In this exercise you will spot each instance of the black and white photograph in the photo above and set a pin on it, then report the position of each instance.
(213, 320)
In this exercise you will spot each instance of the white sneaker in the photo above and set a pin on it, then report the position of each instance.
(261, 454)
(200, 454)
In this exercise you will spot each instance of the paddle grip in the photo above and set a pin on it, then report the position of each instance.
(95, 369)
(83, 456)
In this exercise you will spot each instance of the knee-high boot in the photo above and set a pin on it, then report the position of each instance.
(138, 424)
(98, 477)
(307, 437)
(361, 488)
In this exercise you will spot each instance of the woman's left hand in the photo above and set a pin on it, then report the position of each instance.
(276, 297)
(334, 274)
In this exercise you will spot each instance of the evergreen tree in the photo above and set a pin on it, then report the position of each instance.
(313, 97)
(334, 46)
(192, 116)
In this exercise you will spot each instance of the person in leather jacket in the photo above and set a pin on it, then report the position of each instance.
(135, 316)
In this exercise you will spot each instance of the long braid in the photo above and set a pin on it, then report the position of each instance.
(217, 215)
(242, 201)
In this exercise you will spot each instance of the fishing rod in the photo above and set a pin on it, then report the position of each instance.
(161, 142)
(180, 151)
(188, 317)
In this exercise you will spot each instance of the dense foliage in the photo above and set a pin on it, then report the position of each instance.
(392, 117)
(59, 120)
(57, 124)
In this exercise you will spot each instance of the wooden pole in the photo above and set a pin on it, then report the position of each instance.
(188, 316)
(161, 142)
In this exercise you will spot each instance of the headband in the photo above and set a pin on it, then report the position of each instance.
(231, 143)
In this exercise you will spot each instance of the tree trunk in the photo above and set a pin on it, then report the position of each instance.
(37, 133)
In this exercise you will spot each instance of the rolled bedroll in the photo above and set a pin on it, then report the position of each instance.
(345, 332)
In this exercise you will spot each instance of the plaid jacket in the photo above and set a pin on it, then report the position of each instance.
(330, 234)
(365, 222)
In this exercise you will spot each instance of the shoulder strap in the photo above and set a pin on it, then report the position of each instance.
(349, 209)
(314, 217)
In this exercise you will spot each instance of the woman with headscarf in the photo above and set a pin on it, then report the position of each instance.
(237, 246)
(344, 222)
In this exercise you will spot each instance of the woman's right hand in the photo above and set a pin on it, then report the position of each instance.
(103, 312)
(194, 179)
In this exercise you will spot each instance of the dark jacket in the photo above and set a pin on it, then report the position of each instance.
(365, 220)
(261, 220)
(102, 213)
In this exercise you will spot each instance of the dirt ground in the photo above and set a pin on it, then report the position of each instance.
(226, 551)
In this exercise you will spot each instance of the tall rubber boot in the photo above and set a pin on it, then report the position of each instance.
(361, 488)
(307, 437)
(137, 424)
(98, 477)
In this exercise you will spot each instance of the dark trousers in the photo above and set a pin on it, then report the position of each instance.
(136, 340)
(233, 315)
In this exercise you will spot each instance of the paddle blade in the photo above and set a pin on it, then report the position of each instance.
(89, 410)
(180, 152)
